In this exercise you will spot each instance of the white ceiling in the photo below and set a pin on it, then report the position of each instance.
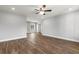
(28, 10)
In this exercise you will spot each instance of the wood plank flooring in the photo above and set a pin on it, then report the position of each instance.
(38, 44)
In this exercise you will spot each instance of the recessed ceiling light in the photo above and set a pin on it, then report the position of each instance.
(70, 9)
(13, 8)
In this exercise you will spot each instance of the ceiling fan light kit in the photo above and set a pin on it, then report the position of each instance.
(42, 10)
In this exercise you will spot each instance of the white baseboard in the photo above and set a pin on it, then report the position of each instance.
(64, 38)
(16, 38)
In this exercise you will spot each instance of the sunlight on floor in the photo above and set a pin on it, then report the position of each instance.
(32, 37)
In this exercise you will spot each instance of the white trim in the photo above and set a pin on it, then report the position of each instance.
(16, 38)
(64, 38)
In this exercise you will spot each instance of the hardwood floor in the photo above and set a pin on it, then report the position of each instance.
(38, 44)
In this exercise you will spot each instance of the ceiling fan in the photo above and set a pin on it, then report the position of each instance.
(42, 10)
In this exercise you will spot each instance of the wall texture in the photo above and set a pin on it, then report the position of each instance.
(63, 26)
(12, 26)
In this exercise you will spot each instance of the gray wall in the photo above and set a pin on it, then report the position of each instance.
(65, 26)
(12, 26)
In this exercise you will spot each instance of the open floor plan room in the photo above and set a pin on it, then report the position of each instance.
(39, 29)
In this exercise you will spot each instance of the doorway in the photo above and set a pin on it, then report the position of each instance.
(33, 27)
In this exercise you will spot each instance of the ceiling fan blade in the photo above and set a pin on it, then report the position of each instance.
(36, 9)
(47, 10)
(37, 13)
